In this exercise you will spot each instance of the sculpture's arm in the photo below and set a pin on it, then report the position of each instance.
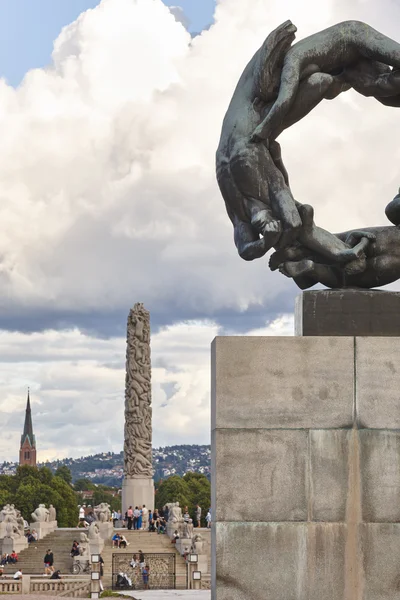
(248, 242)
(354, 237)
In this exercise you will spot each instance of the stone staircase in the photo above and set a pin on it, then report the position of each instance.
(31, 559)
(149, 543)
(60, 542)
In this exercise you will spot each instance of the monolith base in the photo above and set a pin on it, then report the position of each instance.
(137, 492)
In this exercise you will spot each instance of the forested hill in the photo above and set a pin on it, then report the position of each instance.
(107, 467)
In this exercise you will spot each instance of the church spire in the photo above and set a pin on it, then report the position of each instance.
(28, 428)
(28, 442)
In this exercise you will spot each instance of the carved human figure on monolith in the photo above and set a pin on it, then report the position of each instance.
(138, 486)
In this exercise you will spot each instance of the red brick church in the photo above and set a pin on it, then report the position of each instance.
(27, 451)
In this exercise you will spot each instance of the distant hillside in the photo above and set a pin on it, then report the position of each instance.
(107, 468)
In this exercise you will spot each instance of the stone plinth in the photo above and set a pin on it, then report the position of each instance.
(348, 312)
(137, 492)
(8, 544)
(105, 530)
(43, 528)
(305, 468)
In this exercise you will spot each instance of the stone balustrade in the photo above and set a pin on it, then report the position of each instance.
(10, 586)
(69, 587)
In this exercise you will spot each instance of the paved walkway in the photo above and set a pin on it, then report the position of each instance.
(150, 595)
(170, 595)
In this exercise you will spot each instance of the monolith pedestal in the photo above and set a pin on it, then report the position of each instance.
(138, 484)
(306, 463)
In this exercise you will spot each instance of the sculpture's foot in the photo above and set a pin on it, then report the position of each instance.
(297, 269)
(284, 255)
(271, 233)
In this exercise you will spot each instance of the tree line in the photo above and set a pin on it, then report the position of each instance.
(31, 486)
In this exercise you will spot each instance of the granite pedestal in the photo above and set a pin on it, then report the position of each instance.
(137, 492)
(306, 466)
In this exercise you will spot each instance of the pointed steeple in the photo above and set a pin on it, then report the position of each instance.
(28, 428)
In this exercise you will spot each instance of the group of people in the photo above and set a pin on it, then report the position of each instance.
(140, 518)
(9, 559)
(119, 541)
(31, 536)
(137, 518)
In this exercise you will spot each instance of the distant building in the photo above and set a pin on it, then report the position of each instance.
(27, 451)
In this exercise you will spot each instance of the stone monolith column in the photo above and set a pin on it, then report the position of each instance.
(138, 485)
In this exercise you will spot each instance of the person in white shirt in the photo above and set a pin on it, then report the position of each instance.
(208, 519)
(136, 515)
(145, 518)
(17, 574)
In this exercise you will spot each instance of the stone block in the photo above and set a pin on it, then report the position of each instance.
(280, 561)
(270, 465)
(380, 545)
(282, 382)
(329, 474)
(348, 313)
(378, 383)
(380, 475)
(137, 491)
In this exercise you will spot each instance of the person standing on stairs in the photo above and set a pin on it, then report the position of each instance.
(129, 514)
(136, 515)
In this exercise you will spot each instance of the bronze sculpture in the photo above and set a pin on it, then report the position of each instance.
(280, 85)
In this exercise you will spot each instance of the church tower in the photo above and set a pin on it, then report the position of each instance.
(27, 451)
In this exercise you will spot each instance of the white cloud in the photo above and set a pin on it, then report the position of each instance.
(77, 388)
(107, 179)
(108, 196)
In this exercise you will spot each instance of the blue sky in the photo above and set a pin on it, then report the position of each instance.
(29, 27)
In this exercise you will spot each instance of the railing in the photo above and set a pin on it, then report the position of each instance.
(73, 588)
(10, 586)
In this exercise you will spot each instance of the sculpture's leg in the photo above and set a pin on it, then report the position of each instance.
(310, 93)
(313, 271)
(290, 79)
(376, 46)
(257, 177)
(381, 270)
(293, 253)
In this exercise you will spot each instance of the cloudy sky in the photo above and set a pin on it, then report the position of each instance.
(110, 114)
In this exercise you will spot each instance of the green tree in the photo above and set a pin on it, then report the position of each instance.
(101, 494)
(81, 485)
(173, 489)
(31, 487)
(200, 492)
(64, 473)
(65, 502)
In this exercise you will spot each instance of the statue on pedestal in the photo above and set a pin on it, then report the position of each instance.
(84, 547)
(102, 512)
(52, 513)
(41, 514)
(94, 532)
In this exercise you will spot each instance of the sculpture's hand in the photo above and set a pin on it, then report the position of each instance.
(356, 236)
(272, 227)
